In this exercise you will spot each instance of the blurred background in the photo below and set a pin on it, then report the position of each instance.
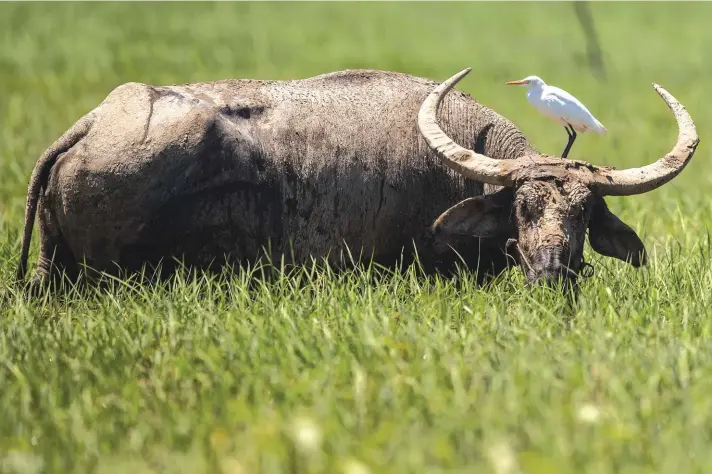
(416, 375)
(59, 60)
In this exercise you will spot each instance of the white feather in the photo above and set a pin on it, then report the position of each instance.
(560, 106)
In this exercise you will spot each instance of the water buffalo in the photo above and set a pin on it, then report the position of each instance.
(222, 172)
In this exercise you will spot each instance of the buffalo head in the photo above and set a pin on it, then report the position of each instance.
(544, 205)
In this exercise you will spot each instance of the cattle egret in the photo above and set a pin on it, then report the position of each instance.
(561, 107)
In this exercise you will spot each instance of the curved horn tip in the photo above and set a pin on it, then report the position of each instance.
(660, 89)
(456, 78)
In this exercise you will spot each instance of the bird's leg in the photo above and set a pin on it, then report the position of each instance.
(572, 136)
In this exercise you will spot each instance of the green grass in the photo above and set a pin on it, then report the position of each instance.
(319, 373)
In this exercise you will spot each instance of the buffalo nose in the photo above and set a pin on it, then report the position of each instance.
(555, 277)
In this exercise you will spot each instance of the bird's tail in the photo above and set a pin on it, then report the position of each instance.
(600, 129)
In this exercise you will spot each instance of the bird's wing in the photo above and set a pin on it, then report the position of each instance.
(568, 108)
(563, 95)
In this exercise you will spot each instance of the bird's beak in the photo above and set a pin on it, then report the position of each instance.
(516, 83)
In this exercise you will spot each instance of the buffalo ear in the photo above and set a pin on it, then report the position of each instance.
(612, 237)
(481, 216)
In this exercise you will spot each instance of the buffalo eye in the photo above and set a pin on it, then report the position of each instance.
(527, 209)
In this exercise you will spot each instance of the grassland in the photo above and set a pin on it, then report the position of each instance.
(319, 373)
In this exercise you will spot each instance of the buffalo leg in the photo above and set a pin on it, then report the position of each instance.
(55, 261)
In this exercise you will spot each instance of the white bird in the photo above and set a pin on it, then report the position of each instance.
(561, 107)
